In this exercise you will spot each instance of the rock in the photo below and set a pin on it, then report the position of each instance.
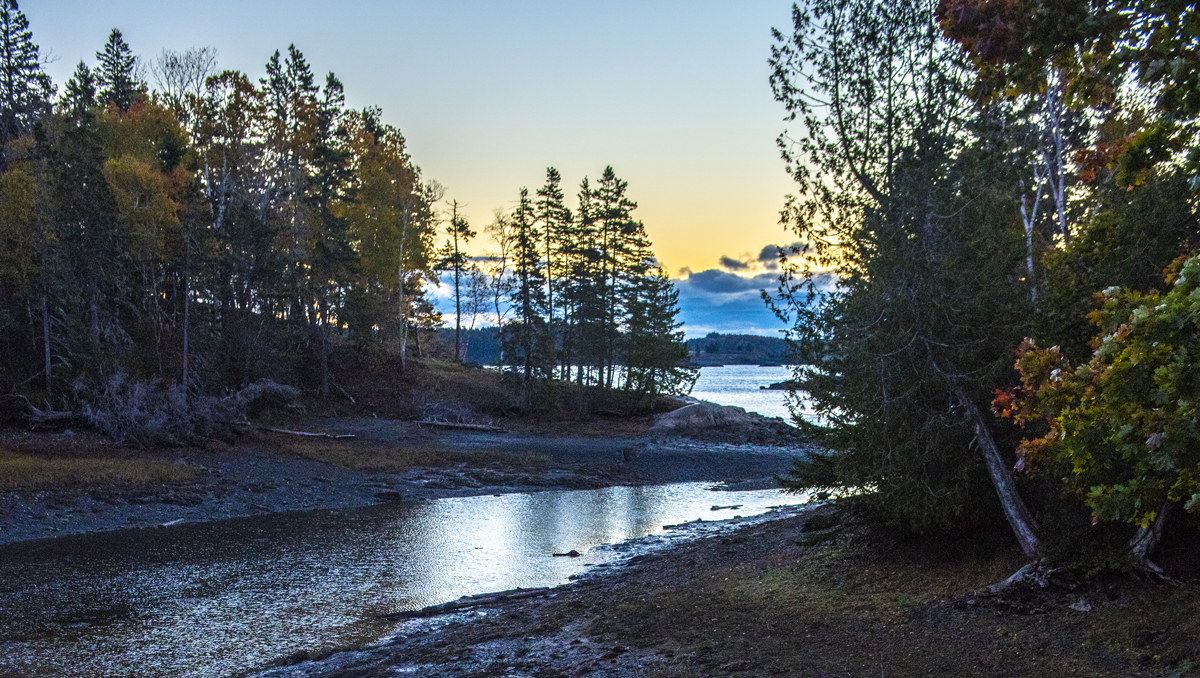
(569, 554)
(723, 423)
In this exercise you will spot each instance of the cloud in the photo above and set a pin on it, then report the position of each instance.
(721, 282)
(734, 264)
(768, 258)
(714, 300)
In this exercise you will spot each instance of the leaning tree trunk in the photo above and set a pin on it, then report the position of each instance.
(1015, 511)
(1147, 539)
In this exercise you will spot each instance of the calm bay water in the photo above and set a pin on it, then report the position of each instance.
(738, 385)
(214, 599)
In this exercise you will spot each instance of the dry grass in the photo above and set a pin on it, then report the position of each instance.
(25, 472)
(852, 609)
(381, 458)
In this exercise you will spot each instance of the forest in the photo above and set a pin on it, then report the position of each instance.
(1006, 193)
(171, 232)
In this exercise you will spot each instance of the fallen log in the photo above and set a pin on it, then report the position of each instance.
(38, 417)
(469, 427)
(307, 434)
(467, 602)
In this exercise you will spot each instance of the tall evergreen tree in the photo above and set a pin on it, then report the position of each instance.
(25, 90)
(116, 73)
(80, 94)
(526, 343)
(555, 219)
(656, 353)
(454, 259)
(617, 241)
(898, 182)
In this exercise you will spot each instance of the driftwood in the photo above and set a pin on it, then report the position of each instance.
(469, 427)
(307, 434)
(343, 392)
(37, 417)
(467, 602)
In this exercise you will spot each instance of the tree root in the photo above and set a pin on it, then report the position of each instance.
(1035, 572)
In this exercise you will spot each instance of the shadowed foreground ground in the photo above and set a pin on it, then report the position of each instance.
(775, 600)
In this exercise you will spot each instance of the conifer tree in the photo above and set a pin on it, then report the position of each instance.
(555, 219)
(25, 90)
(452, 258)
(525, 339)
(80, 94)
(116, 73)
(619, 246)
(656, 353)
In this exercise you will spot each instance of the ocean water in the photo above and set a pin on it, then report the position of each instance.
(738, 385)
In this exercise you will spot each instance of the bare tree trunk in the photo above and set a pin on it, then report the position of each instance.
(46, 346)
(1054, 157)
(1147, 539)
(187, 324)
(1015, 511)
(403, 323)
(322, 329)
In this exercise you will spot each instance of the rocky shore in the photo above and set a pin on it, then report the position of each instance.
(262, 473)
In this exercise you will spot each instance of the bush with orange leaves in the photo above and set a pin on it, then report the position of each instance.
(1127, 423)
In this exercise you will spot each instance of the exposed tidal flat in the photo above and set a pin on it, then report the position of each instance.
(283, 545)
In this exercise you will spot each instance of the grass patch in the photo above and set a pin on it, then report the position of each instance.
(380, 458)
(855, 609)
(25, 472)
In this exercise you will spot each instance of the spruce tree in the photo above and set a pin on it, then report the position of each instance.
(80, 94)
(116, 73)
(656, 353)
(525, 339)
(452, 258)
(619, 246)
(25, 90)
(555, 218)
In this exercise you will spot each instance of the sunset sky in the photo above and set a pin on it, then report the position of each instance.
(673, 94)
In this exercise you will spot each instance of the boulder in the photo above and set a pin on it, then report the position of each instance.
(724, 423)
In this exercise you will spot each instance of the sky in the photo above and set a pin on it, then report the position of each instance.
(674, 94)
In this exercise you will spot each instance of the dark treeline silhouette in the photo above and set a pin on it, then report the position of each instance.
(737, 349)
(179, 230)
(586, 301)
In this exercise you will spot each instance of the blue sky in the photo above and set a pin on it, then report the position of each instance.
(673, 94)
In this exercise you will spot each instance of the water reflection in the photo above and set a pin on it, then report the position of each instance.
(214, 599)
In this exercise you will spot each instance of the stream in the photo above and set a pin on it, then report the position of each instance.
(221, 598)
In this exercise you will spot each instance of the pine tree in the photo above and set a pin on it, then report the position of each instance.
(452, 258)
(619, 245)
(80, 94)
(525, 339)
(555, 219)
(116, 73)
(656, 353)
(25, 90)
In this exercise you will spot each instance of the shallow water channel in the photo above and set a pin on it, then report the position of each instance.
(215, 599)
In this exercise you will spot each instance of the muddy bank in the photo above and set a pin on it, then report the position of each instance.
(266, 472)
(551, 633)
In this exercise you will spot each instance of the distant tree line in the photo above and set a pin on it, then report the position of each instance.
(168, 223)
(728, 349)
